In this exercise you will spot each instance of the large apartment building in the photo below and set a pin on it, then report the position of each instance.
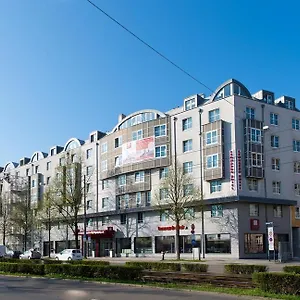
(245, 148)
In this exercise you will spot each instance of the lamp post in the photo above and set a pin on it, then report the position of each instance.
(84, 215)
(201, 187)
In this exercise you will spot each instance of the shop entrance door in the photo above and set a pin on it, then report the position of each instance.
(105, 246)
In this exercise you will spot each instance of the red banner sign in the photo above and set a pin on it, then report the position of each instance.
(166, 228)
(232, 170)
(239, 165)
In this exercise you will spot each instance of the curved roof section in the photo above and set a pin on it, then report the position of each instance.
(37, 156)
(10, 165)
(219, 88)
(157, 112)
(72, 144)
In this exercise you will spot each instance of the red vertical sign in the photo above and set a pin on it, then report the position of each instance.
(239, 167)
(232, 170)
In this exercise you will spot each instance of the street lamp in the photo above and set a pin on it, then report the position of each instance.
(84, 215)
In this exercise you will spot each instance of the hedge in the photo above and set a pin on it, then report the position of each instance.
(292, 269)
(34, 269)
(195, 268)
(244, 269)
(96, 271)
(155, 266)
(88, 262)
(278, 283)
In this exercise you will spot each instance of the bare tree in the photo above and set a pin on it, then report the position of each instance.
(178, 197)
(68, 192)
(5, 217)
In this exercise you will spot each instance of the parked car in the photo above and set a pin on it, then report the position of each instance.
(69, 254)
(5, 252)
(17, 254)
(31, 254)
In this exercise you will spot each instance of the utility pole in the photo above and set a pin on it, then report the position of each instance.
(84, 217)
(201, 187)
(49, 231)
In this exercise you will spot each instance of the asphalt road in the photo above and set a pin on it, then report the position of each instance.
(18, 288)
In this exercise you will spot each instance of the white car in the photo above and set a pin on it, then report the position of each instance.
(31, 254)
(69, 254)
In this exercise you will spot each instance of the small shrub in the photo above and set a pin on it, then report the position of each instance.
(292, 269)
(48, 261)
(29, 268)
(197, 268)
(244, 269)
(279, 283)
(89, 262)
(155, 266)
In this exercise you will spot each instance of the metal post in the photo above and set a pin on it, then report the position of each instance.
(201, 187)
(49, 231)
(97, 177)
(84, 210)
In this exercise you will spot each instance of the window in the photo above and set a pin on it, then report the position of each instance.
(190, 104)
(164, 216)
(73, 157)
(104, 148)
(254, 243)
(137, 135)
(275, 164)
(148, 198)
(297, 167)
(215, 186)
(61, 161)
(254, 210)
(189, 213)
(118, 142)
(89, 204)
(217, 211)
(297, 189)
(256, 159)
(163, 173)
(270, 99)
(105, 202)
(104, 184)
(211, 137)
(296, 124)
(277, 210)
(187, 190)
(160, 130)
(48, 180)
(118, 161)
(123, 219)
(214, 115)
(52, 152)
(140, 217)
(105, 220)
(122, 180)
(36, 169)
(143, 245)
(218, 243)
(296, 146)
(252, 184)
(250, 113)
(138, 199)
(161, 151)
(297, 212)
(139, 176)
(274, 141)
(48, 165)
(273, 119)
(276, 185)
(187, 145)
(27, 172)
(126, 200)
(256, 135)
(88, 153)
(33, 183)
(89, 170)
(163, 194)
(104, 165)
(187, 167)
(88, 187)
(212, 161)
(289, 104)
(187, 123)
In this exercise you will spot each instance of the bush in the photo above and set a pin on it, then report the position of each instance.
(292, 269)
(96, 271)
(88, 262)
(48, 261)
(155, 266)
(197, 268)
(244, 269)
(279, 283)
(29, 268)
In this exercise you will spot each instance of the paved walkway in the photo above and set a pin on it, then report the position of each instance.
(216, 265)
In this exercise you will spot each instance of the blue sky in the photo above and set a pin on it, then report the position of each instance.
(67, 70)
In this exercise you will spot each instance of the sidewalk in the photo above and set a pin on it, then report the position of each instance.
(216, 265)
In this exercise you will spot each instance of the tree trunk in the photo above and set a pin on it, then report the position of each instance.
(77, 237)
(177, 240)
(4, 234)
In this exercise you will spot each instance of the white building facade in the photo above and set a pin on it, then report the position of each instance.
(244, 146)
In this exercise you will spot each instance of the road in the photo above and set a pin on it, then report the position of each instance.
(20, 288)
